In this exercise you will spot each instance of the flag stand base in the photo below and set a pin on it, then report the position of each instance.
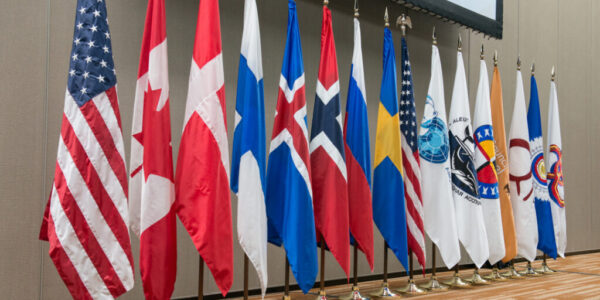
(476, 279)
(434, 285)
(495, 275)
(512, 273)
(322, 295)
(355, 295)
(411, 289)
(384, 292)
(545, 269)
(457, 283)
(529, 271)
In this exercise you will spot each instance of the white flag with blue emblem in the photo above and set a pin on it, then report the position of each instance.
(485, 157)
(469, 213)
(248, 159)
(434, 150)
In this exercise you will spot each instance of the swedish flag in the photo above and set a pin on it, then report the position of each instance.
(388, 186)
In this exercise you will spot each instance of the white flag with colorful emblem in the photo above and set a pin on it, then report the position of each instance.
(555, 175)
(485, 157)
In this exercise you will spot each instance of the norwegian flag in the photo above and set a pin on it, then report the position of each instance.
(202, 179)
(411, 162)
(86, 217)
(329, 176)
(151, 188)
(290, 215)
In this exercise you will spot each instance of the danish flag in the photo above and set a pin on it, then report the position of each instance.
(329, 176)
(151, 188)
(202, 178)
(289, 192)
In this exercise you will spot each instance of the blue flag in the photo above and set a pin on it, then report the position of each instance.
(290, 215)
(546, 240)
(389, 210)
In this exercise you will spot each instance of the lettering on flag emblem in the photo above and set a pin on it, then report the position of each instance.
(555, 177)
(433, 144)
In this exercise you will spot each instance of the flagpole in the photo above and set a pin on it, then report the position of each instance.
(201, 279)
(245, 277)
(457, 282)
(433, 284)
(355, 294)
(322, 294)
(545, 269)
(512, 272)
(385, 290)
(286, 289)
(411, 288)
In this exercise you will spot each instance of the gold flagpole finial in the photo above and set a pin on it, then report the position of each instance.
(553, 74)
(481, 56)
(459, 43)
(533, 69)
(434, 36)
(356, 9)
(386, 18)
(325, 2)
(519, 62)
(404, 21)
(495, 58)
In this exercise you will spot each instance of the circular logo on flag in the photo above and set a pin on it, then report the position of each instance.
(433, 145)
(539, 168)
(555, 177)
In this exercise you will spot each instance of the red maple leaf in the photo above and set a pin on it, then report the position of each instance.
(156, 136)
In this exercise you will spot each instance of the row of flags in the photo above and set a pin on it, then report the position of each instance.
(452, 181)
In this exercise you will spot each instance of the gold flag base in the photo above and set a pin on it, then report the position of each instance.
(384, 292)
(512, 273)
(495, 275)
(287, 297)
(457, 283)
(322, 295)
(433, 285)
(355, 295)
(545, 269)
(411, 289)
(476, 279)
(529, 271)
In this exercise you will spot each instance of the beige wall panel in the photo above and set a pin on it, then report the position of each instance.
(575, 87)
(22, 61)
(593, 129)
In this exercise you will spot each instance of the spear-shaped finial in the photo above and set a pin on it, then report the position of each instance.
(533, 69)
(495, 58)
(553, 74)
(434, 36)
(459, 43)
(481, 56)
(404, 21)
(519, 62)
(356, 8)
(325, 2)
(386, 18)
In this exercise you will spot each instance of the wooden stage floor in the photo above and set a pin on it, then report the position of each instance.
(577, 277)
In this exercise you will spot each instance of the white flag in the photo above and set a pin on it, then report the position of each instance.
(555, 175)
(469, 213)
(521, 184)
(248, 163)
(485, 158)
(434, 149)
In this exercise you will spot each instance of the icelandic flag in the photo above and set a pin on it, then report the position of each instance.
(546, 240)
(485, 161)
(248, 166)
(290, 215)
(358, 154)
(389, 209)
(555, 173)
(327, 154)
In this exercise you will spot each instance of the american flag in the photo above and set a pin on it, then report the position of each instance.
(86, 217)
(410, 162)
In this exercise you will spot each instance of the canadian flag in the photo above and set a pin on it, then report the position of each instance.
(151, 188)
(202, 179)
